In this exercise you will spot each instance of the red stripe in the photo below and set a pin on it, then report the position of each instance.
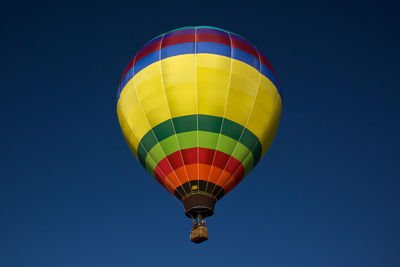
(160, 177)
(221, 160)
(127, 68)
(165, 166)
(245, 47)
(232, 183)
(178, 39)
(213, 38)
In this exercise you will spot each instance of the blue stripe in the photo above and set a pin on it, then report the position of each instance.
(270, 75)
(246, 58)
(213, 48)
(202, 47)
(146, 61)
(176, 50)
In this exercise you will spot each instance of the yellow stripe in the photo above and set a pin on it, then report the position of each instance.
(132, 110)
(272, 127)
(152, 96)
(212, 83)
(179, 81)
(264, 115)
(174, 79)
(126, 128)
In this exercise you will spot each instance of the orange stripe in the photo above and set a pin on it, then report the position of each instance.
(203, 172)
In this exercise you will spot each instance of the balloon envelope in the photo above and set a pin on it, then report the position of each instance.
(199, 107)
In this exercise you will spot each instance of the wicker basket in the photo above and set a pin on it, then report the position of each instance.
(199, 234)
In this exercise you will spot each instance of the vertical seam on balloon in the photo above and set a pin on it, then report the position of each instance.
(151, 157)
(223, 116)
(151, 129)
(265, 128)
(197, 110)
(172, 121)
(245, 125)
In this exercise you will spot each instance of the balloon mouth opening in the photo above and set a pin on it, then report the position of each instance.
(203, 211)
(199, 205)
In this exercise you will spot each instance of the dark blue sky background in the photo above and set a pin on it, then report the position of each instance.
(326, 194)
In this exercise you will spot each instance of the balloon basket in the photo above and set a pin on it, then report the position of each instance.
(199, 234)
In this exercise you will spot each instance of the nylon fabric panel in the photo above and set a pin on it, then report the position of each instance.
(129, 100)
(127, 132)
(173, 182)
(132, 111)
(158, 152)
(179, 83)
(151, 91)
(242, 92)
(263, 108)
(272, 128)
(213, 75)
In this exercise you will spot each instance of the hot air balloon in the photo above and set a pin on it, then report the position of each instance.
(199, 107)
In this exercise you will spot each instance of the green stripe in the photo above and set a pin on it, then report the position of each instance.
(206, 140)
(206, 123)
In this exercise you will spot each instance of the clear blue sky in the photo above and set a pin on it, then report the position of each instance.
(326, 194)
